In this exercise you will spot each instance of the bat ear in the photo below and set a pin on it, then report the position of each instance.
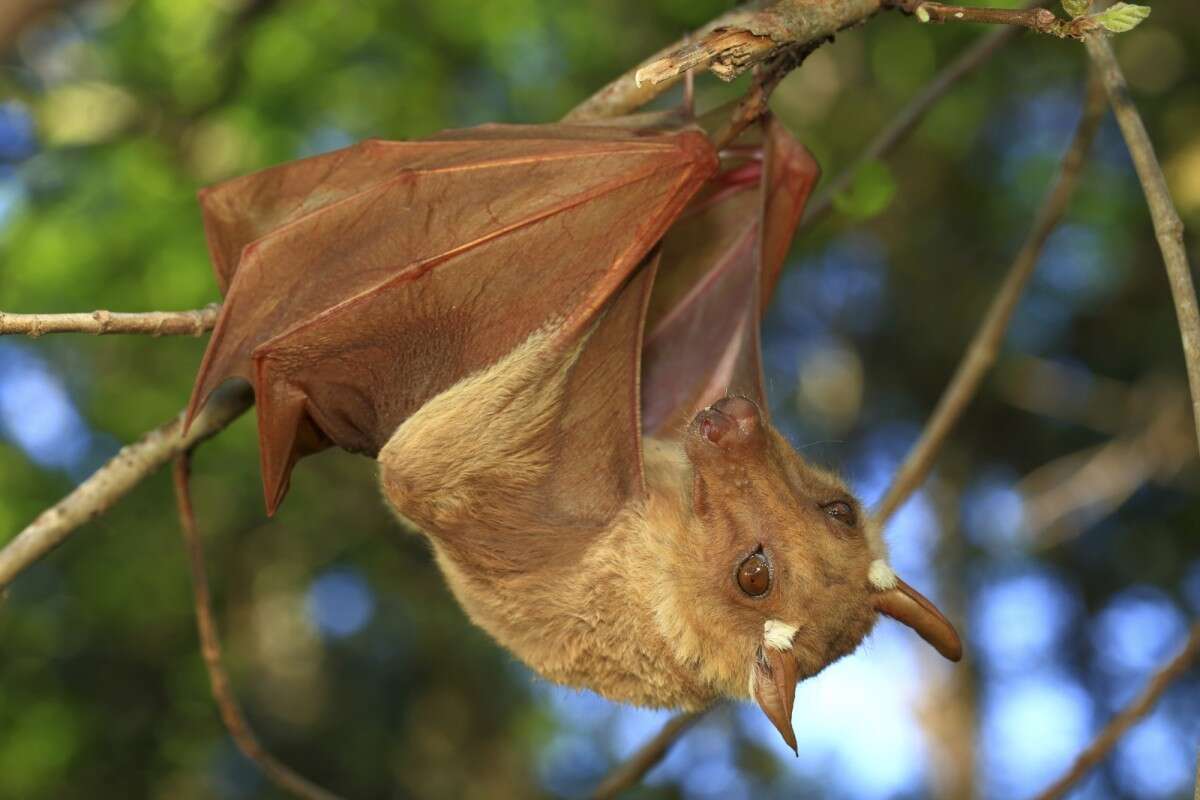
(905, 604)
(773, 677)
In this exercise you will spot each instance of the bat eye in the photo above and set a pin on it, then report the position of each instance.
(841, 511)
(754, 575)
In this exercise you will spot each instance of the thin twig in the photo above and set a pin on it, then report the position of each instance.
(911, 115)
(210, 648)
(1167, 225)
(755, 102)
(153, 323)
(727, 45)
(985, 345)
(1116, 728)
(630, 772)
(114, 480)
(1041, 20)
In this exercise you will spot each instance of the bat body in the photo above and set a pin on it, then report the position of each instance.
(548, 336)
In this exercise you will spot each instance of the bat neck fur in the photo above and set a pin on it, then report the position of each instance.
(587, 608)
(593, 616)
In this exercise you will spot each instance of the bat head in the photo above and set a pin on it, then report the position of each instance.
(798, 584)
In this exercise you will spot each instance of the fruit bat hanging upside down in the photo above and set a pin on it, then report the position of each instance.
(548, 335)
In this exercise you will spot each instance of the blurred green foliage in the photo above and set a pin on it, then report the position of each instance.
(138, 103)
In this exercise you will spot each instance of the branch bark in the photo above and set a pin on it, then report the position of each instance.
(98, 323)
(985, 345)
(1168, 227)
(1041, 20)
(728, 45)
(1122, 722)
(114, 480)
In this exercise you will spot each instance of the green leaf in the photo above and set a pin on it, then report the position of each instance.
(1122, 17)
(1077, 8)
(870, 191)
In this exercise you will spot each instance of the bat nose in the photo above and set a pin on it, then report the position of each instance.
(729, 420)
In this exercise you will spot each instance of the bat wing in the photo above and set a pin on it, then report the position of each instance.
(720, 263)
(361, 283)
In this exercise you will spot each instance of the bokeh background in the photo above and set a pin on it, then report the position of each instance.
(1059, 529)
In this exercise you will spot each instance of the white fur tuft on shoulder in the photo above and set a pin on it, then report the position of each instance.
(778, 635)
(881, 575)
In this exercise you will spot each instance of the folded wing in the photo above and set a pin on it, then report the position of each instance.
(362, 282)
(720, 263)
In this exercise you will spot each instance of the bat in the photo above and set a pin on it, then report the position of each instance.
(548, 337)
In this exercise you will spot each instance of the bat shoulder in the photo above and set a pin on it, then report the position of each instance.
(461, 459)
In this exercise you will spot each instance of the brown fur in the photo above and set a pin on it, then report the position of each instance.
(646, 611)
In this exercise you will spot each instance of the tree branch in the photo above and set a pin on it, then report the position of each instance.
(1041, 20)
(985, 345)
(115, 479)
(1167, 225)
(210, 648)
(154, 323)
(1122, 722)
(646, 758)
(728, 45)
